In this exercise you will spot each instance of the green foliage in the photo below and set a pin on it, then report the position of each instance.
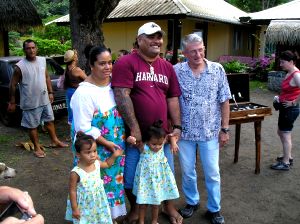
(255, 5)
(46, 47)
(255, 84)
(48, 8)
(51, 39)
(14, 38)
(52, 31)
(52, 47)
(235, 67)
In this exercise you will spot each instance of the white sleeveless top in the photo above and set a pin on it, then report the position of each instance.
(33, 88)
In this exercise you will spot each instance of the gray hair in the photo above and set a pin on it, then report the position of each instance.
(191, 38)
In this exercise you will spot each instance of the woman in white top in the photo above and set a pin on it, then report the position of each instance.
(95, 113)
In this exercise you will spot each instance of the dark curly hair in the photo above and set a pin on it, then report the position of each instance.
(83, 139)
(154, 131)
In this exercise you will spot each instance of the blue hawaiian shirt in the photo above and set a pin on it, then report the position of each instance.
(201, 99)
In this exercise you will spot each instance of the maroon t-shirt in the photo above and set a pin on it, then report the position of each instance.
(149, 91)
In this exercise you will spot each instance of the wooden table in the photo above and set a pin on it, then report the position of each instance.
(257, 119)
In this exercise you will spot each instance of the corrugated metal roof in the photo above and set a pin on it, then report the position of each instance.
(290, 10)
(215, 10)
(136, 8)
(63, 19)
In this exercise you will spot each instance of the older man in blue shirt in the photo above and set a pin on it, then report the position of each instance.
(205, 121)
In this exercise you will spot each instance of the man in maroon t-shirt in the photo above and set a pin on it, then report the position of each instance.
(146, 90)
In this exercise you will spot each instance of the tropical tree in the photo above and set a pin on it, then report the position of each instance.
(48, 8)
(86, 18)
(256, 5)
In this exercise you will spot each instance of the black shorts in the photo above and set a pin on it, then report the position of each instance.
(287, 117)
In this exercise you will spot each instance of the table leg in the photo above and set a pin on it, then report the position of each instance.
(237, 142)
(257, 127)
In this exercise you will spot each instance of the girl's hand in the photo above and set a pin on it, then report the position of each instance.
(173, 143)
(118, 152)
(76, 213)
(174, 148)
(131, 140)
(110, 146)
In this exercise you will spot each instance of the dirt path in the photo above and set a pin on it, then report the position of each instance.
(270, 197)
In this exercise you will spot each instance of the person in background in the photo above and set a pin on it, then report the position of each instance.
(289, 99)
(36, 96)
(154, 181)
(95, 113)
(121, 53)
(87, 201)
(205, 112)
(23, 200)
(73, 76)
(86, 52)
(146, 90)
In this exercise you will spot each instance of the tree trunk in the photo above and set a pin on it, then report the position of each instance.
(86, 18)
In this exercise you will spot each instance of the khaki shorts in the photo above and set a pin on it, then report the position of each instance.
(33, 118)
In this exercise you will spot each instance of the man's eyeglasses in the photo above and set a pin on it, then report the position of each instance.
(197, 51)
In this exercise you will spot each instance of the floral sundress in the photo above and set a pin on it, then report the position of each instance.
(91, 198)
(154, 181)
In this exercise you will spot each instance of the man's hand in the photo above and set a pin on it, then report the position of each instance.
(223, 138)
(38, 219)
(138, 139)
(24, 201)
(11, 107)
(177, 133)
(51, 97)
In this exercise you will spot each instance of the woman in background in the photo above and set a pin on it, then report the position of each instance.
(73, 76)
(289, 108)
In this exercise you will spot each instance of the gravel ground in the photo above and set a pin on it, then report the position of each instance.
(247, 198)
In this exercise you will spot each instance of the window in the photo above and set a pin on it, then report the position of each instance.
(237, 39)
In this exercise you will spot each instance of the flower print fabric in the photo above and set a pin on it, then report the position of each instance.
(200, 100)
(112, 129)
(154, 181)
(91, 198)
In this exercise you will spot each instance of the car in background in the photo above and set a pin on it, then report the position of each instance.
(6, 70)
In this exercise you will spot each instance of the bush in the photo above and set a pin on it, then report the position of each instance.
(45, 47)
(51, 47)
(259, 66)
(262, 66)
(235, 67)
(52, 31)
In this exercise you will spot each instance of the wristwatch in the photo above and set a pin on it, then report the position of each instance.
(177, 127)
(225, 130)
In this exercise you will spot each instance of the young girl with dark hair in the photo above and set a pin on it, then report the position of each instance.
(88, 202)
(154, 181)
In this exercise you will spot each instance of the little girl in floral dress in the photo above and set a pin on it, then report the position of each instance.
(154, 181)
(87, 203)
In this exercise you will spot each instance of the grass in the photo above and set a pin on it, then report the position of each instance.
(5, 155)
(6, 138)
(255, 84)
